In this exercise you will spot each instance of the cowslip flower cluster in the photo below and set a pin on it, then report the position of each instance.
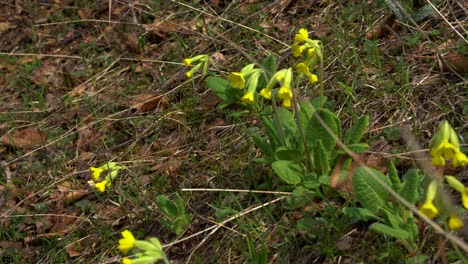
(149, 251)
(200, 62)
(246, 78)
(444, 145)
(313, 49)
(430, 210)
(284, 78)
(112, 169)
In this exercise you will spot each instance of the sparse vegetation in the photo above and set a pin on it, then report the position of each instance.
(233, 132)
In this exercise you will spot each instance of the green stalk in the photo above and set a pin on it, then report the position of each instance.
(299, 125)
(277, 121)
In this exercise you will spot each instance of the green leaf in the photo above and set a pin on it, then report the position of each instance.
(368, 191)
(413, 229)
(180, 205)
(319, 101)
(289, 171)
(356, 148)
(218, 86)
(410, 186)
(362, 214)
(168, 208)
(283, 153)
(288, 123)
(389, 231)
(393, 175)
(356, 131)
(307, 225)
(315, 131)
(419, 259)
(269, 64)
(307, 111)
(262, 144)
(299, 198)
(321, 159)
(271, 133)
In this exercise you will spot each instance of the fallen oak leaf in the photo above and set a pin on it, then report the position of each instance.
(24, 138)
(147, 102)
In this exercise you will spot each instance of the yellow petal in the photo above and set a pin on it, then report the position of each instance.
(236, 79)
(285, 93)
(127, 242)
(455, 223)
(313, 79)
(95, 172)
(101, 186)
(302, 68)
(187, 62)
(460, 159)
(126, 261)
(297, 49)
(248, 98)
(464, 197)
(438, 161)
(428, 209)
(286, 103)
(266, 93)
(302, 35)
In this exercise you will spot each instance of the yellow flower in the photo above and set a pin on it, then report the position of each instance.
(236, 79)
(459, 187)
(101, 186)
(302, 68)
(310, 52)
(459, 159)
(287, 103)
(297, 49)
(302, 35)
(455, 222)
(285, 93)
(444, 150)
(95, 172)
(126, 261)
(428, 209)
(127, 242)
(188, 62)
(266, 93)
(190, 73)
(438, 161)
(313, 78)
(248, 98)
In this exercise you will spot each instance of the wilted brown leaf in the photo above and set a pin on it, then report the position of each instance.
(457, 62)
(4, 26)
(87, 137)
(66, 223)
(381, 28)
(147, 102)
(24, 138)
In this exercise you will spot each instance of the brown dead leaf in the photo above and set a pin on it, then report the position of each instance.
(87, 138)
(381, 28)
(80, 247)
(324, 30)
(85, 13)
(457, 62)
(210, 100)
(4, 26)
(64, 224)
(162, 28)
(67, 193)
(24, 138)
(147, 102)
